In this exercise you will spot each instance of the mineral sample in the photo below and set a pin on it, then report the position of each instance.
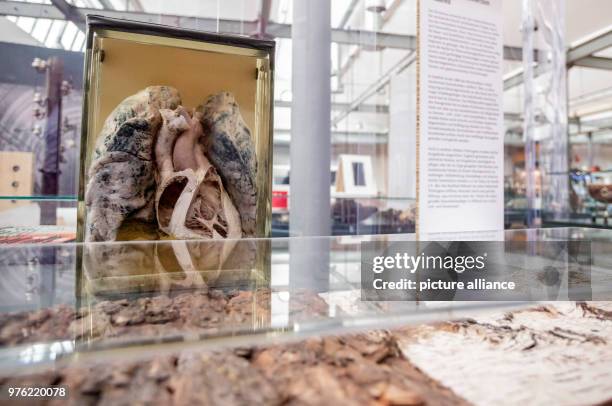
(122, 174)
(229, 146)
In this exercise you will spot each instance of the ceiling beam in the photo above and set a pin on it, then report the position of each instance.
(363, 108)
(263, 19)
(136, 5)
(107, 4)
(276, 30)
(579, 55)
(391, 10)
(589, 47)
(283, 137)
(379, 84)
(538, 118)
(70, 13)
(594, 62)
(33, 10)
(517, 78)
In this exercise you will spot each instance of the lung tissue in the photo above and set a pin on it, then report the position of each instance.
(190, 172)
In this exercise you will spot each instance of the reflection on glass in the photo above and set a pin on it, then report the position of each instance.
(60, 299)
(358, 174)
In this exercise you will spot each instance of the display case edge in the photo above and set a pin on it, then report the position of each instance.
(95, 22)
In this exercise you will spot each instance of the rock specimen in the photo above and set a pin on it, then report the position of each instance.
(349, 370)
(229, 146)
(122, 174)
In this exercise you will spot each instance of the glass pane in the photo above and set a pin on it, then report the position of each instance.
(373, 85)
(153, 296)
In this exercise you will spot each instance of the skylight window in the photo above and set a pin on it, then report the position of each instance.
(26, 23)
(41, 29)
(78, 41)
(57, 27)
(69, 35)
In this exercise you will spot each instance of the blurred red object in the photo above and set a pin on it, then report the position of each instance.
(280, 199)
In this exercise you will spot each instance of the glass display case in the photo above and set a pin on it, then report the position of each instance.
(351, 215)
(65, 302)
(22, 219)
(177, 138)
(590, 200)
(591, 195)
(354, 215)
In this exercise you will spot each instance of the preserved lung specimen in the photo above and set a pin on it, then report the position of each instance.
(189, 173)
(122, 174)
(122, 180)
(151, 98)
(230, 148)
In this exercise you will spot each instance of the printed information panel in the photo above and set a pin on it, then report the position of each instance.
(460, 163)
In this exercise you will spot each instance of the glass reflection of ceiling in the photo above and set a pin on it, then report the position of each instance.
(590, 94)
(66, 35)
(55, 33)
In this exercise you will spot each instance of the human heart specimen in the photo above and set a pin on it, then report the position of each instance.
(190, 172)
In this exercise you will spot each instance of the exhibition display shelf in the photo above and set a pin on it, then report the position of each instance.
(69, 302)
(41, 198)
(575, 221)
(351, 214)
(354, 214)
(37, 219)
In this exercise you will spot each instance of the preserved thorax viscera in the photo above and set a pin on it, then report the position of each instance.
(190, 172)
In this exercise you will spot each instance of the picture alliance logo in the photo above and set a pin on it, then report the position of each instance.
(424, 262)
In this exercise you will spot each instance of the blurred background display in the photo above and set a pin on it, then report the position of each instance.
(372, 187)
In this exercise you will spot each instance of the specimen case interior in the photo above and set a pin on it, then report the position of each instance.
(132, 68)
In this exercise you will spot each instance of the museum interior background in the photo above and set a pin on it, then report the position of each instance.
(358, 162)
